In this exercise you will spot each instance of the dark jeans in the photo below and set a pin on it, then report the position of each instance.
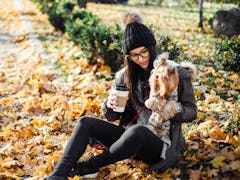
(121, 143)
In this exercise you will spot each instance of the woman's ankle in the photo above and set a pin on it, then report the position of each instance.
(85, 170)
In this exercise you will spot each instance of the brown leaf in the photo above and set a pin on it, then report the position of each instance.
(229, 155)
(195, 174)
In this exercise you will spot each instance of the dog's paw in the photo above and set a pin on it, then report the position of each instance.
(148, 103)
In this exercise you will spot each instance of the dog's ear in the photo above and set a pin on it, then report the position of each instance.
(173, 78)
(161, 59)
(164, 56)
(170, 70)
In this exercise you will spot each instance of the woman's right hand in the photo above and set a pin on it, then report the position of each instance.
(112, 99)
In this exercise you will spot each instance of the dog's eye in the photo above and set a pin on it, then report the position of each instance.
(156, 76)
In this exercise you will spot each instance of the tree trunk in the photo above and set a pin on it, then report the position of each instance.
(82, 3)
(200, 3)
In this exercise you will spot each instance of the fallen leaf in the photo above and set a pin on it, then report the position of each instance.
(195, 174)
(217, 162)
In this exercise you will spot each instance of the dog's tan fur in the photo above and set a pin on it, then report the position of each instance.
(163, 95)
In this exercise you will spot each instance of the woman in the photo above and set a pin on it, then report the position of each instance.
(131, 138)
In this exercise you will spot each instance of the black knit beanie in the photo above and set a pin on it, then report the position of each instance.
(136, 34)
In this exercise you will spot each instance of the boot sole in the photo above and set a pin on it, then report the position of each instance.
(93, 175)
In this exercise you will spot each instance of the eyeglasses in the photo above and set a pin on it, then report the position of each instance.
(135, 56)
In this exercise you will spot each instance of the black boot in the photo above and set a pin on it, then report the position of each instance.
(85, 170)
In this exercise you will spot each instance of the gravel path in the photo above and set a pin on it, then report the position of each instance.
(21, 52)
(6, 46)
(25, 28)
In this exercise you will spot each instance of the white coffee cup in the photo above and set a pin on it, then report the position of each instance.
(122, 97)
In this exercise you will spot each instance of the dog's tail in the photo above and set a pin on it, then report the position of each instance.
(191, 68)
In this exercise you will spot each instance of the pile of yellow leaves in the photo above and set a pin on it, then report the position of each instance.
(43, 95)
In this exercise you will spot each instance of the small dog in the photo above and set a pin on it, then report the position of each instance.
(163, 99)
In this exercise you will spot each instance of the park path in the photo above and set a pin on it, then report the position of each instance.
(21, 51)
(14, 26)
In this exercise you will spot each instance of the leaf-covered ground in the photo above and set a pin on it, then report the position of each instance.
(45, 89)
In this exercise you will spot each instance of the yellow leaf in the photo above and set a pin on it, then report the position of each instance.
(111, 47)
(232, 139)
(165, 175)
(226, 53)
(38, 122)
(99, 91)
(234, 86)
(210, 118)
(184, 48)
(197, 53)
(217, 162)
(197, 93)
(234, 76)
(74, 178)
(200, 115)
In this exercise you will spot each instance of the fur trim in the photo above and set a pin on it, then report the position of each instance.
(191, 68)
(163, 59)
(131, 17)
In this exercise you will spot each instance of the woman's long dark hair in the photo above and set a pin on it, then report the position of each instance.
(134, 72)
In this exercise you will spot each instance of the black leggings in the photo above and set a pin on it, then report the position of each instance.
(121, 143)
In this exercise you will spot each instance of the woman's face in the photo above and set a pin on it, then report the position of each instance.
(140, 56)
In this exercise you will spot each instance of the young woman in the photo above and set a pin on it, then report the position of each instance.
(131, 138)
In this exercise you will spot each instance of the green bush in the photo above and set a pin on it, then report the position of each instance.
(165, 43)
(60, 13)
(96, 40)
(82, 29)
(227, 54)
(109, 45)
(58, 10)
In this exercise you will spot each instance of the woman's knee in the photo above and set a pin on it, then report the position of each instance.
(135, 133)
(137, 129)
(83, 121)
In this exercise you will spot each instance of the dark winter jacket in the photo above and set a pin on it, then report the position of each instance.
(188, 113)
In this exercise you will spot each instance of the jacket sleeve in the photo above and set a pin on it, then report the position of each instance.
(187, 99)
(129, 112)
(124, 117)
(109, 114)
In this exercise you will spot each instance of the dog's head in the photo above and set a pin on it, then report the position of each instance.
(164, 78)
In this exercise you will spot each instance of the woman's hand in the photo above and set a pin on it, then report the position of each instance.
(112, 99)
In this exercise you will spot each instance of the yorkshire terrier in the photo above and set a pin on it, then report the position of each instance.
(163, 99)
